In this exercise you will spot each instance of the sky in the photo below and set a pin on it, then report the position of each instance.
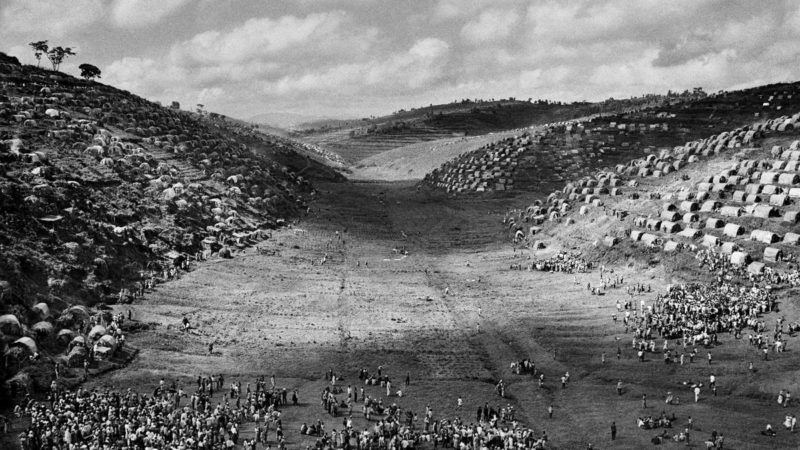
(355, 58)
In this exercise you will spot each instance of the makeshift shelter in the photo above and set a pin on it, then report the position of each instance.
(653, 224)
(740, 258)
(77, 341)
(710, 240)
(733, 230)
(764, 211)
(791, 216)
(729, 247)
(764, 236)
(96, 332)
(755, 268)
(651, 239)
(610, 241)
(779, 200)
(691, 233)
(739, 196)
(713, 222)
(730, 211)
(668, 207)
(690, 218)
(670, 216)
(687, 206)
(77, 356)
(772, 254)
(65, 336)
(636, 235)
(768, 177)
(9, 325)
(788, 178)
(26, 343)
(670, 227)
(671, 246)
(42, 309)
(770, 189)
(791, 238)
(710, 206)
(43, 328)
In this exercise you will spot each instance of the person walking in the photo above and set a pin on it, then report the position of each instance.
(613, 431)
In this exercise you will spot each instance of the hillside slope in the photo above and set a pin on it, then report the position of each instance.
(103, 193)
(358, 140)
(536, 160)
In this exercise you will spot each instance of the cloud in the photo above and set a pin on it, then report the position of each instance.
(491, 25)
(48, 18)
(140, 13)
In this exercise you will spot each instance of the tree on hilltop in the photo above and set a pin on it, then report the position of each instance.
(56, 56)
(39, 48)
(89, 71)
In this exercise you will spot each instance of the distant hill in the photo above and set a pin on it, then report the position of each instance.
(358, 140)
(548, 157)
(287, 120)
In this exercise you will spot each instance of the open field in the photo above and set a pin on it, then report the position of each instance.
(289, 315)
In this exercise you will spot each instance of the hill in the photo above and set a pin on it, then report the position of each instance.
(550, 156)
(103, 194)
(359, 140)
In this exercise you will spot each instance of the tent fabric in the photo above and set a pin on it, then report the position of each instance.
(740, 258)
(26, 342)
(43, 309)
(9, 324)
(96, 332)
(43, 327)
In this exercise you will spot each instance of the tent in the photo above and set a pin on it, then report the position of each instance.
(636, 235)
(42, 309)
(691, 233)
(788, 178)
(791, 238)
(764, 211)
(731, 211)
(770, 189)
(729, 247)
(764, 236)
(670, 227)
(791, 216)
(670, 216)
(610, 241)
(584, 210)
(690, 218)
(650, 239)
(740, 258)
(27, 343)
(710, 240)
(77, 356)
(733, 230)
(668, 207)
(671, 246)
(687, 206)
(772, 254)
(653, 224)
(65, 336)
(43, 328)
(710, 206)
(778, 199)
(96, 332)
(9, 324)
(755, 268)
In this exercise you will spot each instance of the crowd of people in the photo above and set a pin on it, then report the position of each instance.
(562, 262)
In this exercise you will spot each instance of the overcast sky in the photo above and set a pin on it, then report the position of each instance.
(352, 58)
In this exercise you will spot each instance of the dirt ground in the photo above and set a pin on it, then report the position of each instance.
(292, 315)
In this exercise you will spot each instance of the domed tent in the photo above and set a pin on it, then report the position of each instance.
(42, 309)
(26, 343)
(772, 254)
(9, 324)
(43, 328)
(77, 356)
(96, 332)
(65, 336)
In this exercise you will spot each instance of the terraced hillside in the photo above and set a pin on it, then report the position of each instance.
(570, 150)
(103, 194)
(358, 141)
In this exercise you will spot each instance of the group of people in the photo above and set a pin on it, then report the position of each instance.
(562, 262)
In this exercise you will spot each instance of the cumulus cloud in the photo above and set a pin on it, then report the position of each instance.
(49, 18)
(140, 13)
(491, 25)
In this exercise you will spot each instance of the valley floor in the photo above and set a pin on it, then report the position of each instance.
(288, 313)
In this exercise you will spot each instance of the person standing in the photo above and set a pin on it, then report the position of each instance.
(644, 401)
(613, 431)
(619, 387)
(550, 411)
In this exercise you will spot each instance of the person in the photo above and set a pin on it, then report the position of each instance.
(550, 411)
(210, 348)
(644, 401)
(619, 387)
(613, 431)
(696, 394)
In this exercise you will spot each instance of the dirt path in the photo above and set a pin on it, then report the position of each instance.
(367, 305)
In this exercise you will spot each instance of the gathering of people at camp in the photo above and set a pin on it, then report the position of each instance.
(562, 262)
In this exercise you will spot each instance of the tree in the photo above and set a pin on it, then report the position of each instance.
(56, 56)
(89, 71)
(39, 47)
